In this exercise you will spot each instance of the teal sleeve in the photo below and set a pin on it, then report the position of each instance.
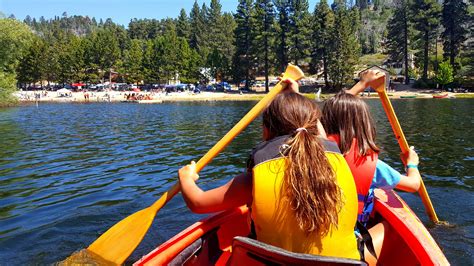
(385, 176)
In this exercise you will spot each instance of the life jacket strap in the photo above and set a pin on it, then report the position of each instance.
(364, 240)
(368, 207)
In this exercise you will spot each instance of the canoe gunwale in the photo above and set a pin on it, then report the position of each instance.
(398, 214)
(165, 252)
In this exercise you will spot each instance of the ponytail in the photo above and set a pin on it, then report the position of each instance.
(309, 181)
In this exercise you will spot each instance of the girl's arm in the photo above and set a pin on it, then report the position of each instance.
(411, 181)
(235, 193)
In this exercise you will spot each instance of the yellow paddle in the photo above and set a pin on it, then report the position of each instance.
(117, 243)
(379, 86)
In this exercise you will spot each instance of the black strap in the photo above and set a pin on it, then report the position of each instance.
(366, 240)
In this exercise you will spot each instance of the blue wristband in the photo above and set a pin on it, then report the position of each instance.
(412, 166)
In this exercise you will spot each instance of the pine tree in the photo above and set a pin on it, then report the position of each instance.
(468, 51)
(78, 67)
(300, 30)
(454, 19)
(182, 25)
(426, 22)
(398, 35)
(227, 45)
(214, 19)
(205, 48)
(70, 59)
(323, 23)
(362, 4)
(102, 52)
(133, 61)
(262, 23)
(151, 67)
(243, 35)
(219, 30)
(28, 20)
(344, 48)
(283, 32)
(197, 27)
(29, 68)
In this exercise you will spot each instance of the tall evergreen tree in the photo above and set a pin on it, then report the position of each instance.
(29, 69)
(283, 32)
(454, 19)
(426, 22)
(323, 23)
(219, 28)
(133, 61)
(345, 49)
(205, 48)
(263, 19)
(102, 52)
(243, 35)
(196, 26)
(151, 67)
(182, 25)
(214, 20)
(468, 51)
(398, 36)
(70, 59)
(300, 27)
(227, 45)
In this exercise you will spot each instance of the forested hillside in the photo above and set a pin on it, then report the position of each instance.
(330, 41)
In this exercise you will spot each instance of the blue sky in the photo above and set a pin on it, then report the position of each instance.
(121, 11)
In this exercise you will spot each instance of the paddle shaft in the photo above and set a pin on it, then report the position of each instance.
(402, 142)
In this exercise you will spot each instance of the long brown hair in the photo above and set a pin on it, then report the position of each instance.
(348, 116)
(309, 181)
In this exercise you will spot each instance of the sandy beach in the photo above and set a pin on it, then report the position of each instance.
(120, 96)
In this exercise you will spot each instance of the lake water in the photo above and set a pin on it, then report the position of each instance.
(68, 172)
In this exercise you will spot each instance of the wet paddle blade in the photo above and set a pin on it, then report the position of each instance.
(120, 241)
(117, 243)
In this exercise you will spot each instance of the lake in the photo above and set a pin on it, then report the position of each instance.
(68, 172)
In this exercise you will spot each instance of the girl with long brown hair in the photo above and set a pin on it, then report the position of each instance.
(346, 119)
(299, 188)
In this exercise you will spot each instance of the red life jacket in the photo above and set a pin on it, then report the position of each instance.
(362, 168)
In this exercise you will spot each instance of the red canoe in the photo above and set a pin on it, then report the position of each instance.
(440, 96)
(220, 240)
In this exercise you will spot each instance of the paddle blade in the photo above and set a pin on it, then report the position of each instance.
(117, 243)
(293, 72)
(378, 84)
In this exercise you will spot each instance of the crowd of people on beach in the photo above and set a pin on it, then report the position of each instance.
(137, 96)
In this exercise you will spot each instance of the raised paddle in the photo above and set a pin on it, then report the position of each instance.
(379, 85)
(117, 243)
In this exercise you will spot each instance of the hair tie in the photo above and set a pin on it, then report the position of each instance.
(301, 129)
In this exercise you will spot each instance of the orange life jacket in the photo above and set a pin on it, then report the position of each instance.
(362, 168)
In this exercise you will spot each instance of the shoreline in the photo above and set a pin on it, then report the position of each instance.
(115, 96)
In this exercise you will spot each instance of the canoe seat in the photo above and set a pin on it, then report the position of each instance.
(246, 251)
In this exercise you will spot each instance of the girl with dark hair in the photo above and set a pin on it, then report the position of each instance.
(347, 121)
(299, 187)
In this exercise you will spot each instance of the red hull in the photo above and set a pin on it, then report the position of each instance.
(440, 96)
(407, 242)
